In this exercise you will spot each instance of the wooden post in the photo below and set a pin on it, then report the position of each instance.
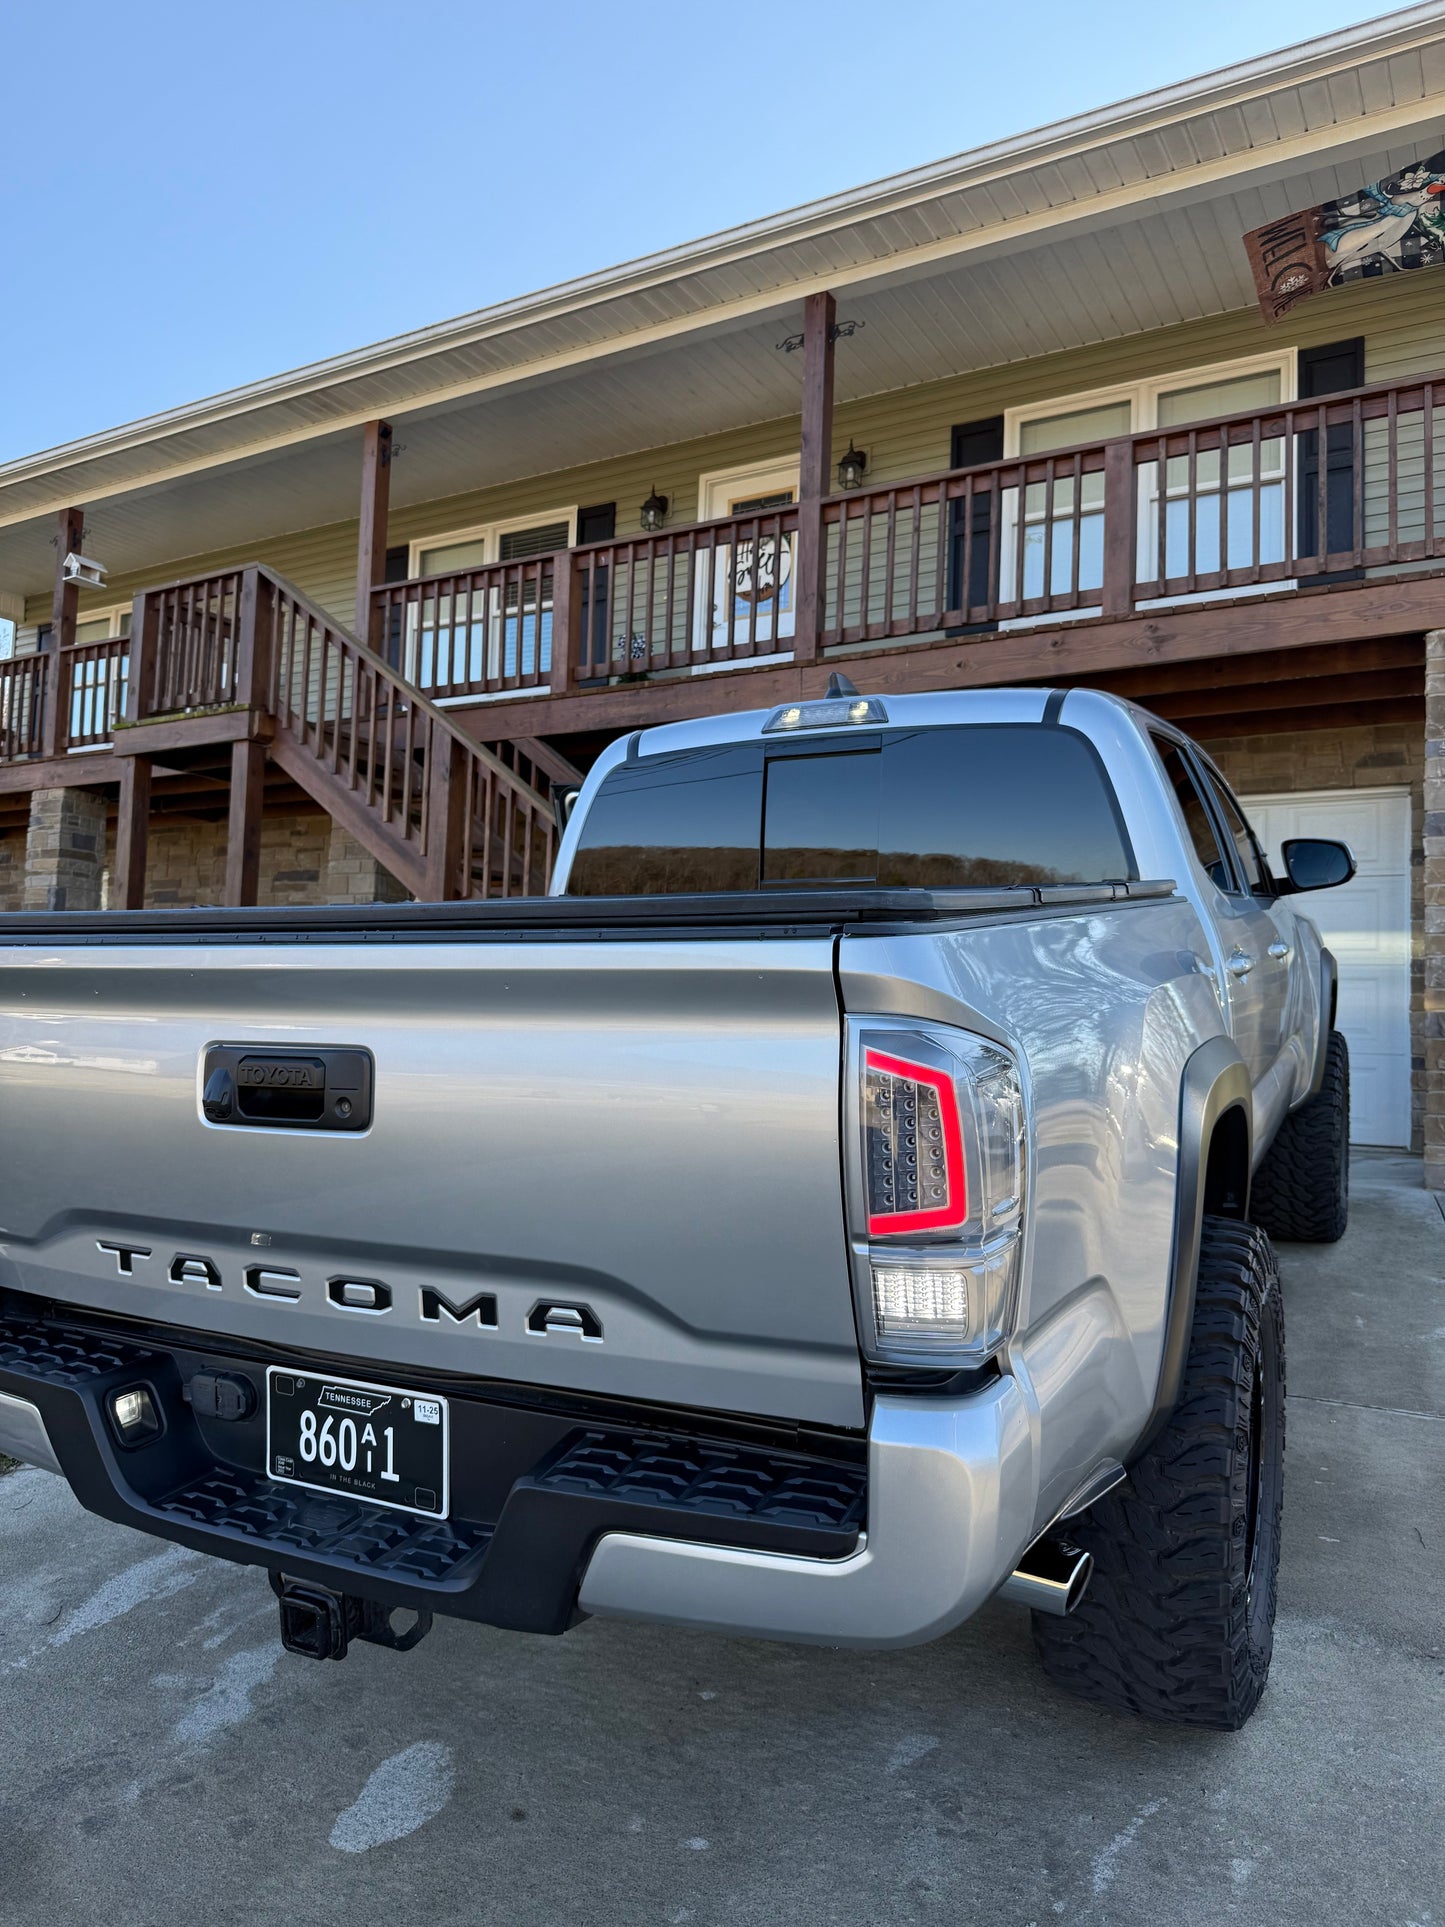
(65, 602)
(145, 629)
(1121, 506)
(816, 455)
(257, 612)
(445, 817)
(566, 623)
(371, 543)
(132, 833)
(243, 825)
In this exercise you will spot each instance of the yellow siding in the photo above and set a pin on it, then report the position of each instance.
(905, 432)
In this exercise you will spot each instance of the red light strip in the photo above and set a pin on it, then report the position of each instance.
(884, 1224)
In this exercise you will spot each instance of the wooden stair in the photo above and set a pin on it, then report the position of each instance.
(449, 816)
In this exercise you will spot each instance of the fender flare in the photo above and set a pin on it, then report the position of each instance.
(1329, 999)
(1215, 1081)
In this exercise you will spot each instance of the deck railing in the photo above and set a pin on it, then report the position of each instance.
(463, 820)
(99, 681)
(1293, 494)
(1290, 494)
(22, 705)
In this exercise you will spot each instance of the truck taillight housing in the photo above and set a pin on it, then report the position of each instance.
(914, 1147)
(937, 1239)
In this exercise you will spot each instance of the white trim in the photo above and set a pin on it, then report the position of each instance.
(1143, 395)
(490, 535)
(111, 615)
(746, 478)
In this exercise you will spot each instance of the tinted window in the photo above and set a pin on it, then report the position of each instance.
(1197, 820)
(674, 823)
(981, 805)
(1250, 867)
(820, 819)
(997, 804)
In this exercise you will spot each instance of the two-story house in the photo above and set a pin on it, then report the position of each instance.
(1034, 414)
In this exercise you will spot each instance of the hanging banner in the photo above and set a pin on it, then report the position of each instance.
(1387, 228)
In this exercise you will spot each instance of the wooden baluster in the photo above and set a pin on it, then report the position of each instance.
(1120, 527)
(446, 802)
(567, 605)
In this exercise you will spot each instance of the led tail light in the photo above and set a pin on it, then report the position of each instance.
(937, 1249)
(916, 1177)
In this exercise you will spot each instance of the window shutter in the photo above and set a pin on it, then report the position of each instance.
(1330, 369)
(971, 445)
(597, 524)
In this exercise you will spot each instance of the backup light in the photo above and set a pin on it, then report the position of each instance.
(919, 1303)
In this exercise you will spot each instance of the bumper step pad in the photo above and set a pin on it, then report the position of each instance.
(519, 1569)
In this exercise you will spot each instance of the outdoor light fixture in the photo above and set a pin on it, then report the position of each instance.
(851, 467)
(654, 512)
(82, 569)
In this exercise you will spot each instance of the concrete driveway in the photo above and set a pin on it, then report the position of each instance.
(161, 1759)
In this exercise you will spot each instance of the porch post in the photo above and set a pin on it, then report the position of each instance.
(243, 822)
(815, 459)
(371, 542)
(132, 833)
(64, 604)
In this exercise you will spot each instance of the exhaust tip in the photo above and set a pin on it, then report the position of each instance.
(1050, 1578)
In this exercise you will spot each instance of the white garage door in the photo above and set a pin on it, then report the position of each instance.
(1367, 925)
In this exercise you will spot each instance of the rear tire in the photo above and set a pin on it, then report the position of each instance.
(1301, 1191)
(1178, 1620)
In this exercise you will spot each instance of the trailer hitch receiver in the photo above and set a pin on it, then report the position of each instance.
(320, 1624)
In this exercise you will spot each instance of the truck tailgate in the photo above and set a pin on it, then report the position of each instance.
(645, 1132)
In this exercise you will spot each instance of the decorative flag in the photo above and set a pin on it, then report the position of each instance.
(1392, 225)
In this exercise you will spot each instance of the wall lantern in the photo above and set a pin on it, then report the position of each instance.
(851, 467)
(654, 512)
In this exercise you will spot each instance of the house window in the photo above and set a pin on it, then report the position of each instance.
(746, 588)
(472, 632)
(1049, 523)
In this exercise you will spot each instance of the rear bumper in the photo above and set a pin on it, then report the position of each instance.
(590, 1518)
(952, 1494)
(23, 1435)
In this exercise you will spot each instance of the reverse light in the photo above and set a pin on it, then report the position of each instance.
(937, 1253)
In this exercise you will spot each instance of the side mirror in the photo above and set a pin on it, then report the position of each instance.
(1317, 863)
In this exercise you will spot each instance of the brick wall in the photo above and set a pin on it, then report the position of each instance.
(1375, 756)
(305, 859)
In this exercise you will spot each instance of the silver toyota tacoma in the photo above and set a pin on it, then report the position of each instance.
(846, 1198)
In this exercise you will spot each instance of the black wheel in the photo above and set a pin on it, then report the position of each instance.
(1301, 1191)
(1177, 1623)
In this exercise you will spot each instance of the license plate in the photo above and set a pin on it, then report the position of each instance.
(380, 1443)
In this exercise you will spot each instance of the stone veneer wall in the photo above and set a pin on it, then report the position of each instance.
(305, 858)
(1374, 756)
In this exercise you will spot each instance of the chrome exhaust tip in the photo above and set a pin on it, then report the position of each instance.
(1051, 1577)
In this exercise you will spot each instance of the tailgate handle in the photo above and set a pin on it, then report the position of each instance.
(311, 1088)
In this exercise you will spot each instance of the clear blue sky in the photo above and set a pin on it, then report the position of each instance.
(198, 195)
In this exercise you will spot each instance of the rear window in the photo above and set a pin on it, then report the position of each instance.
(984, 804)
